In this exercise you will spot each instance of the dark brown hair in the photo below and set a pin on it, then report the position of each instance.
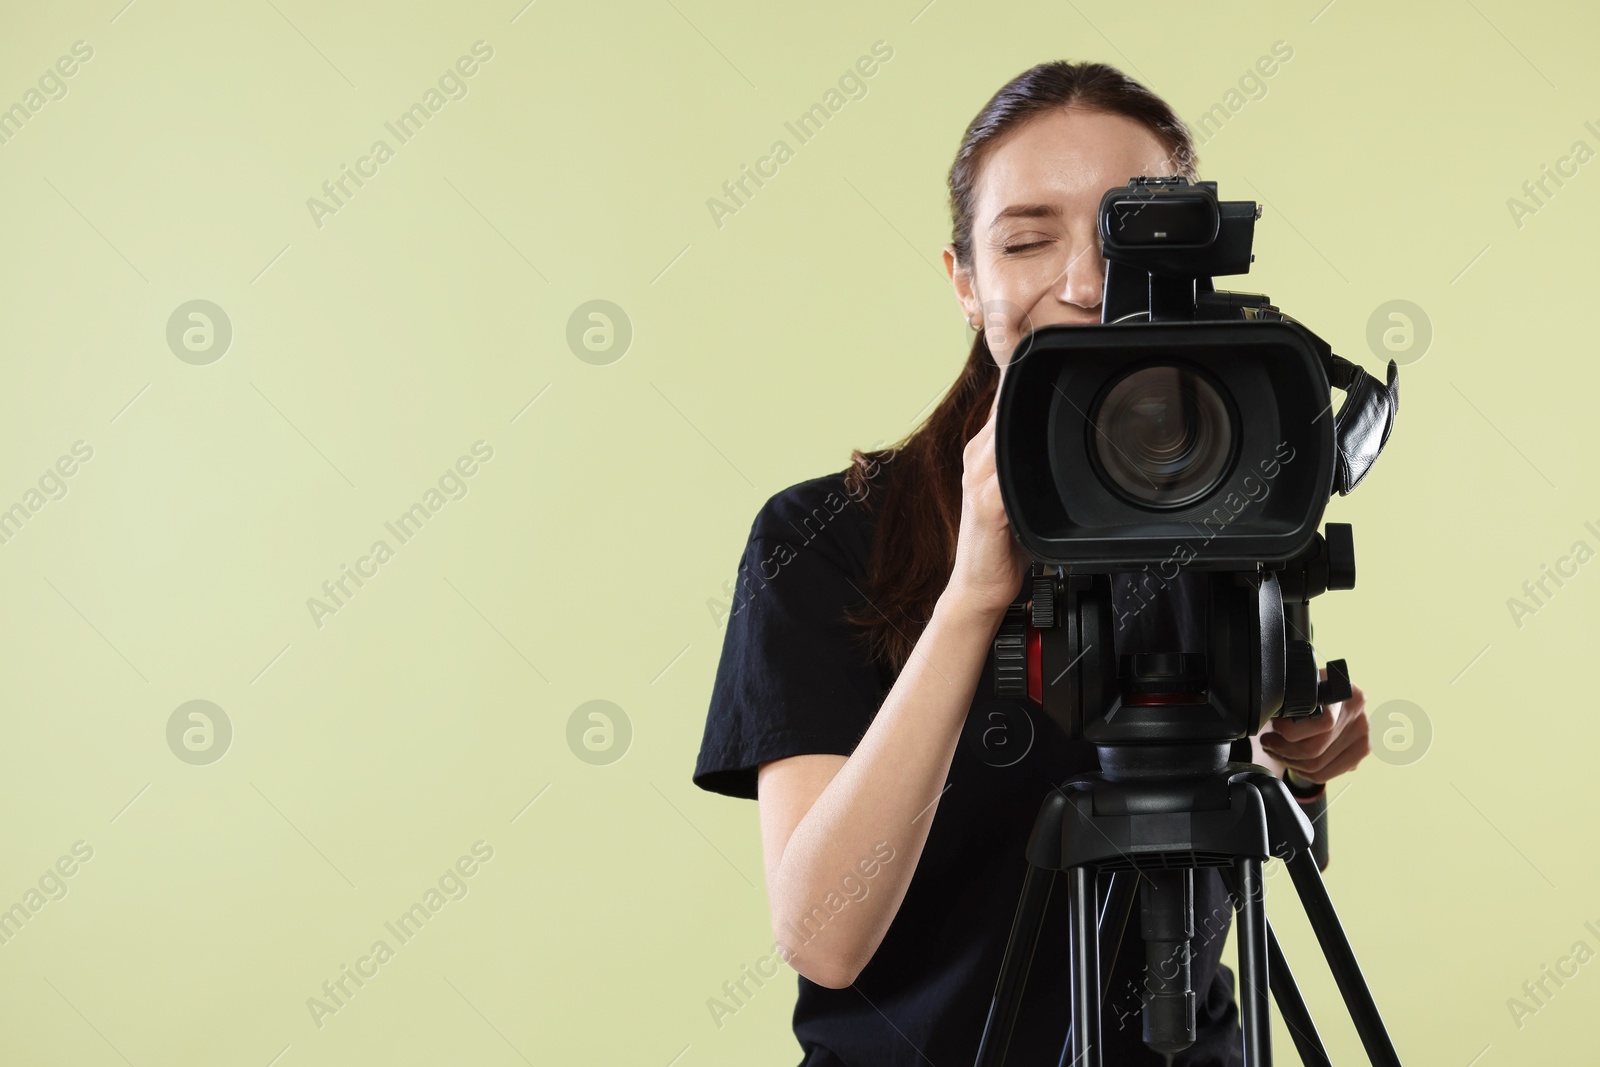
(919, 508)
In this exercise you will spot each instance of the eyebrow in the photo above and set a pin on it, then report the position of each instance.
(1026, 211)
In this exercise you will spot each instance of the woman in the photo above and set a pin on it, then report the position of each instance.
(895, 799)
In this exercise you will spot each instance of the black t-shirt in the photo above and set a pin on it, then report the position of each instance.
(793, 679)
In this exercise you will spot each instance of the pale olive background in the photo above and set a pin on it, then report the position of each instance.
(584, 562)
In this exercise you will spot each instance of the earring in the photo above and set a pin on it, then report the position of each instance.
(972, 321)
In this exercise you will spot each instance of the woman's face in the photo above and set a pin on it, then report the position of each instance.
(1035, 249)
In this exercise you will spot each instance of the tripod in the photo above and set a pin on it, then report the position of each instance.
(1154, 816)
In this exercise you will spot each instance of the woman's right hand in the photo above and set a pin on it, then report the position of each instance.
(990, 563)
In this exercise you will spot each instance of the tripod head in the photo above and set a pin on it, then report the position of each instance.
(1183, 661)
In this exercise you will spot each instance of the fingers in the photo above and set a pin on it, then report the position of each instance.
(1348, 761)
(1326, 746)
(999, 382)
(1292, 730)
(978, 456)
(1288, 732)
(1347, 751)
(1290, 751)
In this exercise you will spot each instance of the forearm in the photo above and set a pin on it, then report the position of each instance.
(887, 792)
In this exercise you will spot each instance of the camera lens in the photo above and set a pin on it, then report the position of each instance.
(1163, 436)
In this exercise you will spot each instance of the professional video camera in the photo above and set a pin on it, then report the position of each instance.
(1168, 470)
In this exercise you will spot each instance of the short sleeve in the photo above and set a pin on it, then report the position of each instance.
(794, 676)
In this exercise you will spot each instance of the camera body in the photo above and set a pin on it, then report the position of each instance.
(1168, 470)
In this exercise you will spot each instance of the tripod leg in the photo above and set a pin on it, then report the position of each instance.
(1253, 974)
(1014, 967)
(1083, 1049)
(1292, 1006)
(1341, 959)
(1115, 911)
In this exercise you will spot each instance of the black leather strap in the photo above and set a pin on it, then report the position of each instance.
(1364, 421)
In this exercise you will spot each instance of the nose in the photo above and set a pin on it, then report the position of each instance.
(1081, 283)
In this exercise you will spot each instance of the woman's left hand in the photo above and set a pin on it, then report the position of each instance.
(1329, 744)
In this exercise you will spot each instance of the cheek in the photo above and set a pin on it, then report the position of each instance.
(1004, 324)
(1010, 304)
(1014, 291)
(1021, 286)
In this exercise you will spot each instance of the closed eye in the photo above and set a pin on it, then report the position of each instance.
(1012, 250)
